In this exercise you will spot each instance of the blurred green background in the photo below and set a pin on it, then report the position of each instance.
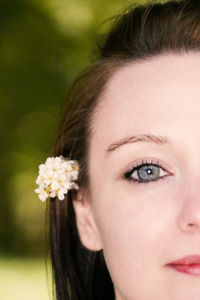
(43, 44)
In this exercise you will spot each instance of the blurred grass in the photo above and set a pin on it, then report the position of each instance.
(23, 279)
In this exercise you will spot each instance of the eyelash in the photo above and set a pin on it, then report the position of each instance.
(143, 164)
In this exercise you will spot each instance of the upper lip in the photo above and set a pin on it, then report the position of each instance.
(186, 260)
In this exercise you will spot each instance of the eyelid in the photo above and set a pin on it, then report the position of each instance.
(150, 160)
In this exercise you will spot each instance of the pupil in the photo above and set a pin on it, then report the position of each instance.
(148, 173)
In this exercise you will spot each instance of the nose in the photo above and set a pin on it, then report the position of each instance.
(189, 216)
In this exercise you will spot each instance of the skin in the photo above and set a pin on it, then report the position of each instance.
(142, 227)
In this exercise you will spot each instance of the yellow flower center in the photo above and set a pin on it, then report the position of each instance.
(60, 181)
(47, 189)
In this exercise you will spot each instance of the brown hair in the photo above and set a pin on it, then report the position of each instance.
(139, 33)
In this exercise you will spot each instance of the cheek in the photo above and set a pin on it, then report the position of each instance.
(132, 218)
(131, 226)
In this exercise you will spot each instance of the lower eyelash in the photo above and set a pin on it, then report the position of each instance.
(147, 181)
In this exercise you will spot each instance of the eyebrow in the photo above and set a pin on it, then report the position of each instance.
(159, 140)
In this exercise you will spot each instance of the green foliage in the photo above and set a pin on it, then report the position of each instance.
(43, 44)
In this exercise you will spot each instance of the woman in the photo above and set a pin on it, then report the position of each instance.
(131, 228)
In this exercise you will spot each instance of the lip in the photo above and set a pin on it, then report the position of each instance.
(188, 264)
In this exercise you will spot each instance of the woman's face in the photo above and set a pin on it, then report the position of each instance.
(149, 217)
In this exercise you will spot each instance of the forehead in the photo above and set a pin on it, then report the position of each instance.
(148, 96)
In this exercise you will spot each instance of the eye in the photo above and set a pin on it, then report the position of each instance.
(146, 172)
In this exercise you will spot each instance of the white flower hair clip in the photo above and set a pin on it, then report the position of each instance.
(56, 177)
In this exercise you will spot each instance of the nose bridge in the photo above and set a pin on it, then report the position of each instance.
(189, 217)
